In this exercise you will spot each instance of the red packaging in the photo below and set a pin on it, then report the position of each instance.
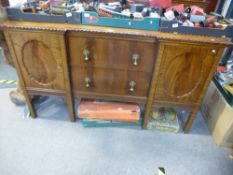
(221, 68)
(197, 24)
(211, 19)
(160, 3)
(126, 112)
(179, 8)
(195, 10)
(210, 25)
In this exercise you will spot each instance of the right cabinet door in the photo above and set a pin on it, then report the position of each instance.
(183, 72)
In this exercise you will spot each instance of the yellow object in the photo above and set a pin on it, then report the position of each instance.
(231, 156)
(8, 81)
(229, 88)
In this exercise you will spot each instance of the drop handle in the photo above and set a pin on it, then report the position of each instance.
(59, 66)
(213, 51)
(87, 82)
(86, 54)
(132, 85)
(135, 59)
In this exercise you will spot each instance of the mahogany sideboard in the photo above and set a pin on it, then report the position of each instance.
(110, 63)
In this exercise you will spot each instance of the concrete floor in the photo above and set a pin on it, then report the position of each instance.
(6, 73)
(51, 145)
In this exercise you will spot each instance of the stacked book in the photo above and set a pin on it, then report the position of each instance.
(102, 113)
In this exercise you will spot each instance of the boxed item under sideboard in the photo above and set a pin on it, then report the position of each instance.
(219, 116)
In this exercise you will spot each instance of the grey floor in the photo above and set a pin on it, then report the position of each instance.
(6, 73)
(51, 145)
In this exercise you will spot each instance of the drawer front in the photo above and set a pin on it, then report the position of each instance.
(112, 53)
(108, 81)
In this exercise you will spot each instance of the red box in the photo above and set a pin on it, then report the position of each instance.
(126, 112)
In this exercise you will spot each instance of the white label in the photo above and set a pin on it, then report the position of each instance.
(86, 14)
(68, 15)
(175, 25)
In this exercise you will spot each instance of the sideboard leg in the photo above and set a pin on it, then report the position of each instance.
(70, 105)
(69, 95)
(30, 104)
(147, 113)
(151, 95)
(190, 119)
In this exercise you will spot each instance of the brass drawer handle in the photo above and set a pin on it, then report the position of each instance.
(59, 66)
(135, 59)
(132, 85)
(86, 54)
(213, 51)
(87, 82)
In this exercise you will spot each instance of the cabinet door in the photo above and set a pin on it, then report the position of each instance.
(40, 57)
(183, 71)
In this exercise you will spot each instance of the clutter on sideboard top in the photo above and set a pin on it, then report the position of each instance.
(139, 14)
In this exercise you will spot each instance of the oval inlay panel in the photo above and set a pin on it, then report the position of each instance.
(183, 74)
(39, 62)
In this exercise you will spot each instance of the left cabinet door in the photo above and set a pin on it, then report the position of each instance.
(40, 56)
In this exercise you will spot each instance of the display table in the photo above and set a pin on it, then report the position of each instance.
(115, 64)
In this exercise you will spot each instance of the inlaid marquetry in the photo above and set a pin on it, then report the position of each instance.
(145, 67)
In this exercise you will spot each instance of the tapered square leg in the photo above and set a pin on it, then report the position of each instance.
(30, 104)
(190, 119)
(70, 104)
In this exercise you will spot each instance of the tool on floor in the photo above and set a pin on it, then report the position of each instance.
(161, 171)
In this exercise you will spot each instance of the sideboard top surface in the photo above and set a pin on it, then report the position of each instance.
(60, 27)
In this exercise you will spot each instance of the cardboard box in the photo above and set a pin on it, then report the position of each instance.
(92, 18)
(87, 123)
(226, 94)
(122, 112)
(18, 15)
(219, 116)
(174, 26)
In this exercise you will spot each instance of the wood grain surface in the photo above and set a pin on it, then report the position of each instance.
(110, 81)
(99, 62)
(39, 58)
(200, 3)
(41, 65)
(116, 53)
(183, 72)
(24, 25)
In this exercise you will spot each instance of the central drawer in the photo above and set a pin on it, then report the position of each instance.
(110, 81)
(111, 65)
(116, 53)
